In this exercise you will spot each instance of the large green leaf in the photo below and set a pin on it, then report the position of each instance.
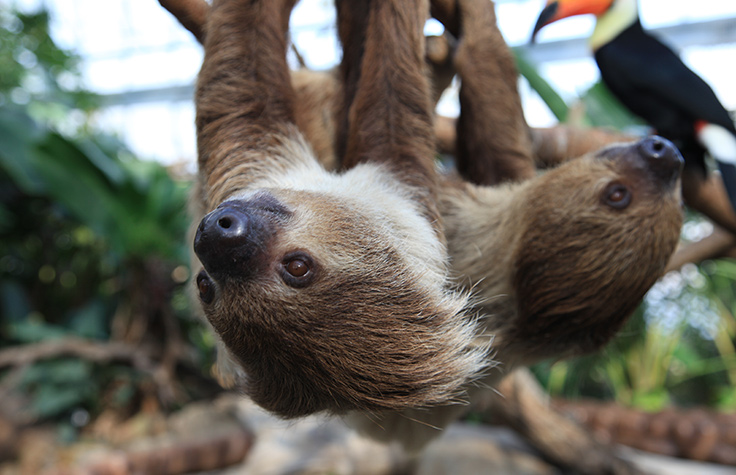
(550, 97)
(18, 134)
(602, 109)
(134, 204)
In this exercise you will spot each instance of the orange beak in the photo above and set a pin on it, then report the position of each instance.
(559, 9)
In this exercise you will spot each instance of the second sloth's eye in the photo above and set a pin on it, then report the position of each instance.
(297, 269)
(617, 196)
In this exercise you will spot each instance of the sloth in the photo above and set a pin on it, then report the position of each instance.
(330, 290)
(556, 263)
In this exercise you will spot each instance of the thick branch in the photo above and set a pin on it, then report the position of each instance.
(202, 454)
(721, 243)
(708, 196)
(89, 350)
(558, 144)
(524, 406)
(20, 357)
(550, 146)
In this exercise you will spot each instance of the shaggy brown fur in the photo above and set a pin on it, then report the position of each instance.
(555, 266)
(558, 265)
(329, 292)
(494, 146)
(556, 262)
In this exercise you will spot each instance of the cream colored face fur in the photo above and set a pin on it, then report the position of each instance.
(337, 343)
(370, 195)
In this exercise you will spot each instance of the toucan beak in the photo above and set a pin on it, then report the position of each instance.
(559, 9)
(547, 16)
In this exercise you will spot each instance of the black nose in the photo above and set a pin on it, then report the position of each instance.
(229, 225)
(662, 158)
(228, 240)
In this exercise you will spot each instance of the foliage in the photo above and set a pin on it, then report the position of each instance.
(553, 100)
(91, 246)
(91, 238)
(36, 73)
(678, 348)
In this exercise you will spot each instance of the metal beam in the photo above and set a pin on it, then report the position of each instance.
(183, 93)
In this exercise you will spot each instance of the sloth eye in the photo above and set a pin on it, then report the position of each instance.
(206, 287)
(297, 270)
(617, 196)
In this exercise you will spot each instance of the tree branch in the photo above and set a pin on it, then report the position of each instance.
(558, 144)
(708, 196)
(89, 350)
(720, 243)
(21, 357)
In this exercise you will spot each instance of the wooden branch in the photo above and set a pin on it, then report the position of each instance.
(23, 355)
(720, 243)
(192, 14)
(551, 146)
(708, 195)
(523, 405)
(558, 144)
(184, 457)
(697, 434)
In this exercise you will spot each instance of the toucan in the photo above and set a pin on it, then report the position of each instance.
(652, 81)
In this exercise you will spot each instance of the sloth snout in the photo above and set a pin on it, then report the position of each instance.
(661, 158)
(227, 240)
(228, 225)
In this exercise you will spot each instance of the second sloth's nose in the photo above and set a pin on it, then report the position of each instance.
(661, 157)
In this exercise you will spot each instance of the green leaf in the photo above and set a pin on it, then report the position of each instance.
(91, 320)
(33, 330)
(109, 166)
(53, 400)
(18, 136)
(550, 97)
(61, 371)
(651, 401)
(602, 109)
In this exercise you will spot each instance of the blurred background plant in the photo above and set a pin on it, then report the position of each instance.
(678, 348)
(93, 267)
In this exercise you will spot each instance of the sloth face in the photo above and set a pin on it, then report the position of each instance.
(599, 232)
(324, 308)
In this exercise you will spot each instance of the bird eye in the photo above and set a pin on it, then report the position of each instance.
(297, 269)
(206, 287)
(617, 196)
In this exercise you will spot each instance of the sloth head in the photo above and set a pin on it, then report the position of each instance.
(598, 233)
(326, 304)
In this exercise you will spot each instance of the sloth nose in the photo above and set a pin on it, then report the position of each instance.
(661, 158)
(226, 241)
(228, 225)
